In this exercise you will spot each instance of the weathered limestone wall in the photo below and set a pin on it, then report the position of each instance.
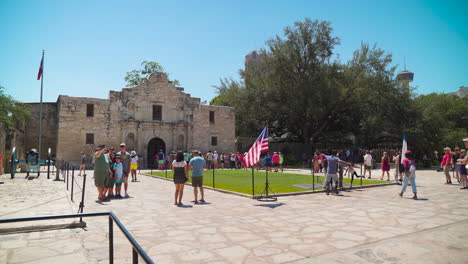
(127, 116)
(49, 128)
(223, 128)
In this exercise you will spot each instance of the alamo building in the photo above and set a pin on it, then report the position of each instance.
(151, 116)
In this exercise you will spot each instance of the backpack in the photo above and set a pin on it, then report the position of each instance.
(412, 169)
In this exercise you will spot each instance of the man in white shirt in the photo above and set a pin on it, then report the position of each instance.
(368, 163)
(215, 159)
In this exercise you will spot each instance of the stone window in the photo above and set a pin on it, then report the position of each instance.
(90, 138)
(157, 112)
(89, 110)
(212, 117)
(214, 141)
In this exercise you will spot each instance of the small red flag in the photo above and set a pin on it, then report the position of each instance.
(39, 74)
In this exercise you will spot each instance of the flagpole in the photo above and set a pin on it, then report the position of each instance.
(40, 106)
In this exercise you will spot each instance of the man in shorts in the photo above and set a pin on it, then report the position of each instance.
(368, 163)
(161, 159)
(209, 159)
(125, 159)
(332, 165)
(276, 160)
(197, 164)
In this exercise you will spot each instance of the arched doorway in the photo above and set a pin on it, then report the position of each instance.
(154, 146)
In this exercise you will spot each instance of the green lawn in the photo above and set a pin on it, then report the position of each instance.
(241, 180)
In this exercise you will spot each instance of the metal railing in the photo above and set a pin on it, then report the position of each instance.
(66, 179)
(137, 250)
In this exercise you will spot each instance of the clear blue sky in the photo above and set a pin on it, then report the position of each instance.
(90, 45)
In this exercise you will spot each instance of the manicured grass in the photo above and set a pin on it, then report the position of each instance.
(241, 180)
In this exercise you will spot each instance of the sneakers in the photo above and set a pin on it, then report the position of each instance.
(126, 194)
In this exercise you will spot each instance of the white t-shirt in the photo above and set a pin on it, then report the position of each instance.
(134, 160)
(179, 164)
(215, 156)
(368, 160)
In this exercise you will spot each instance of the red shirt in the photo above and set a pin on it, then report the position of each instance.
(446, 160)
(275, 158)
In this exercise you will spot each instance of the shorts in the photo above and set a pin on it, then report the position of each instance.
(367, 167)
(331, 177)
(160, 162)
(197, 181)
(275, 164)
(133, 166)
(118, 184)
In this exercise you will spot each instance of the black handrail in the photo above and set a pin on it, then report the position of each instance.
(136, 248)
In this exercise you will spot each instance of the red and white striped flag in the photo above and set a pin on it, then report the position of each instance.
(260, 145)
(41, 67)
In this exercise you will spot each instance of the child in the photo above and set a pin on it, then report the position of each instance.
(118, 167)
(133, 165)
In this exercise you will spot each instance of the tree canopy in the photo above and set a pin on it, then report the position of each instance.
(301, 88)
(136, 77)
(11, 110)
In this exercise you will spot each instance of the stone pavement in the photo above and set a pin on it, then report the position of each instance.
(372, 225)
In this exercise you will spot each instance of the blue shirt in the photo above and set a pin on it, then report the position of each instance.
(197, 164)
(332, 162)
(268, 160)
(161, 155)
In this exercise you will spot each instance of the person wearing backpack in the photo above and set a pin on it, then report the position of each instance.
(409, 174)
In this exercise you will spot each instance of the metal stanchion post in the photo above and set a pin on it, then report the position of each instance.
(213, 176)
(111, 240)
(67, 175)
(253, 183)
(134, 256)
(73, 182)
(83, 196)
(313, 180)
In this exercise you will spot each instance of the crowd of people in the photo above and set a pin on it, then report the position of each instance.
(270, 162)
(112, 169)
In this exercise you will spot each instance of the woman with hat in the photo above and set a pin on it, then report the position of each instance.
(445, 164)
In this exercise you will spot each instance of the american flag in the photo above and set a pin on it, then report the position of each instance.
(260, 145)
(41, 67)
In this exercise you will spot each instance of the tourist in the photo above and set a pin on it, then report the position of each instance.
(410, 174)
(445, 164)
(399, 169)
(209, 159)
(232, 160)
(101, 171)
(240, 161)
(133, 165)
(385, 166)
(331, 171)
(161, 158)
(82, 163)
(281, 161)
(125, 158)
(321, 161)
(118, 168)
(268, 162)
(275, 159)
(316, 162)
(455, 156)
(197, 164)
(179, 166)
(186, 156)
(215, 159)
(222, 160)
(368, 163)
(462, 164)
(111, 156)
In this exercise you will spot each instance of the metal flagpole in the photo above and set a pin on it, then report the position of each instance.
(40, 105)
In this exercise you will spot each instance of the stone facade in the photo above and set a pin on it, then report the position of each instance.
(148, 117)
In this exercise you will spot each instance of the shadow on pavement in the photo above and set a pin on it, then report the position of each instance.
(272, 206)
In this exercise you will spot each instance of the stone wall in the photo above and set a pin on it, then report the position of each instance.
(49, 128)
(127, 116)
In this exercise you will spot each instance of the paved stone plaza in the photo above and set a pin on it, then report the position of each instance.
(371, 225)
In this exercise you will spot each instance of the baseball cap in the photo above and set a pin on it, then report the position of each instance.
(196, 152)
(122, 144)
(407, 152)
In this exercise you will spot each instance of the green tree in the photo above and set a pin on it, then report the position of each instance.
(11, 110)
(136, 77)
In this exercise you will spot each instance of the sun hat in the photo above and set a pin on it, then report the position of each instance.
(407, 152)
(447, 148)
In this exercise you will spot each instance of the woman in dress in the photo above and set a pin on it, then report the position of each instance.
(101, 171)
(385, 166)
(179, 166)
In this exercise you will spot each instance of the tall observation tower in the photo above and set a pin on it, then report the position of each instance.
(405, 77)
